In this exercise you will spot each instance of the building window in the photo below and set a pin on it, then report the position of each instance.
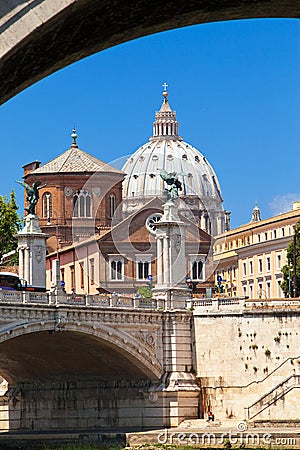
(116, 269)
(279, 262)
(92, 270)
(143, 270)
(197, 270)
(275, 234)
(268, 289)
(244, 269)
(234, 271)
(251, 290)
(72, 277)
(82, 204)
(266, 236)
(244, 291)
(251, 267)
(268, 264)
(258, 237)
(260, 265)
(282, 232)
(47, 205)
(112, 205)
(279, 290)
(82, 275)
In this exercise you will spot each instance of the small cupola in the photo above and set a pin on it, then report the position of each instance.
(256, 216)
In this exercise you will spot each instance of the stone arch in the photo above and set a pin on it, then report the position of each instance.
(133, 358)
(43, 36)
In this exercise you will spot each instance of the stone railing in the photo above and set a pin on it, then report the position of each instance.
(276, 303)
(224, 304)
(99, 300)
(272, 396)
(218, 304)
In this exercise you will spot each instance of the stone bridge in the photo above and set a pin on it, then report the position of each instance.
(38, 37)
(82, 366)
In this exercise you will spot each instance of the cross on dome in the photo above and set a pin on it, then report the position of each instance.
(165, 92)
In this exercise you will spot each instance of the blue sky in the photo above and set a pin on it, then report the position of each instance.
(236, 89)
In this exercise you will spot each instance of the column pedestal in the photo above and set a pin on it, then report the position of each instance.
(32, 252)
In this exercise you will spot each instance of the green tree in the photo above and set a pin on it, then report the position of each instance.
(10, 224)
(293, 265)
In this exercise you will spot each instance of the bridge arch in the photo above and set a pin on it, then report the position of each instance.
(39, 37)
(55, 350)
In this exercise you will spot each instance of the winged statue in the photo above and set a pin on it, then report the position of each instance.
(173, 184)
(33, 194)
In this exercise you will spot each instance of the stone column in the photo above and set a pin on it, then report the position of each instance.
(26, 265)
(21, 262)
(159, 261)
(171, 290)
(203, 221)
(166, 273)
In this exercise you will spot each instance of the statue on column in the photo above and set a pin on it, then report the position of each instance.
(173, 184)
(33, 194)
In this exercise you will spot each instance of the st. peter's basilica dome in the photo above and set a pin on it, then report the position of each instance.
(166, 150)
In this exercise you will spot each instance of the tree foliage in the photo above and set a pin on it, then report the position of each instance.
(10, 224)
(287, 284)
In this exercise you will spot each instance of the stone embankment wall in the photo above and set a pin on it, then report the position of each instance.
(248, 360)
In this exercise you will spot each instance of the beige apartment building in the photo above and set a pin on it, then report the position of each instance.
(250, 258)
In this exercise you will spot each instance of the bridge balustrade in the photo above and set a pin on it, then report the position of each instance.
(219, 303)
(99, 300)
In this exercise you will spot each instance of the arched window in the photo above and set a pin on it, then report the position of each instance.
(47, 205)
(197, 270)
(82, 204)
(143, 268)
(116, 269)
(112, 205)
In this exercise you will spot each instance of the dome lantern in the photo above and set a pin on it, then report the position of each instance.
(165, 125)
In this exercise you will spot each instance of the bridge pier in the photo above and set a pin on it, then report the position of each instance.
(97, 404)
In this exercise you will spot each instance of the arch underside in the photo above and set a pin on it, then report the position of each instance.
(88, 26)
(66, 355)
